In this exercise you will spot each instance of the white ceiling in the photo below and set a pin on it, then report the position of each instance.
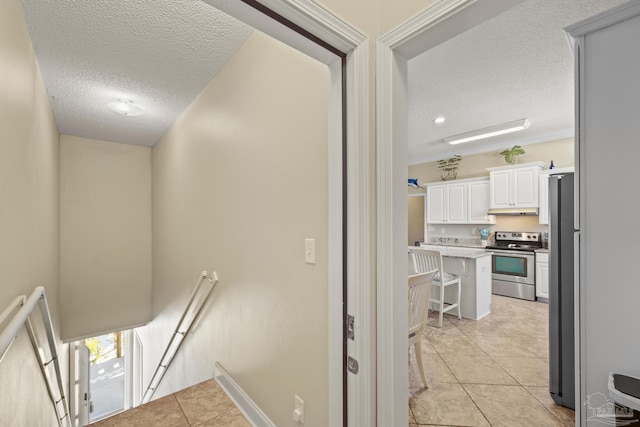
(517, 65)
(162, 53)
(158, 53)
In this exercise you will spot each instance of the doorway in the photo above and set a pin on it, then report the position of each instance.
(105, 376)
(416, 208)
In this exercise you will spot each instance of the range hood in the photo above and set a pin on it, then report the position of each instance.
(514, 211)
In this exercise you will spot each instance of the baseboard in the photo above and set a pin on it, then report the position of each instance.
(243, 402)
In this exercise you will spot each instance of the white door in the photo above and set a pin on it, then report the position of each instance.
(457, 203)
(500, 189)
(525, 185)
(83, 381)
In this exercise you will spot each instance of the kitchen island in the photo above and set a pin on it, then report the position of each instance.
(474, 268)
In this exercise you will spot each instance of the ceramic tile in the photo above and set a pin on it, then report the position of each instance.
(226, 420)
(163, 412)
(565, 415)
(500, 346)
(510, 406)
(526, 370)
(446, 404)
(204, 402)
(536, 345)
(455, 344)
(477, 369)
(434, 369)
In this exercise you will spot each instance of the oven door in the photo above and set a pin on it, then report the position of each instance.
(513, 266)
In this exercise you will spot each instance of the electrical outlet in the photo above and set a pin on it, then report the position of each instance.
(298, 411)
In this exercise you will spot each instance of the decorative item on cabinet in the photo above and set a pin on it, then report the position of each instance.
(413, 183)
(449, 167)
(511, 154)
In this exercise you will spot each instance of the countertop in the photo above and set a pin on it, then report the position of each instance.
(542, 251)
(468, 252)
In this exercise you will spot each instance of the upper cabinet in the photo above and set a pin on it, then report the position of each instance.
(543, 192)
(478, 194)
(447, 203)
(514, 186)
(459, 202)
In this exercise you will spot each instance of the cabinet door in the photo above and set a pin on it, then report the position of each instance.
(542, 280)
(456, 204)
(500, 189)
(478, 195)
(525, 187)
(543, 199)
(436, 207)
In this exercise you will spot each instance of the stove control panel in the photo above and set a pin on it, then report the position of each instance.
(518, 236)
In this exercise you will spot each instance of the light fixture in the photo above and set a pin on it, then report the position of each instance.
(126, 107)
(489, 132)
(438, 120)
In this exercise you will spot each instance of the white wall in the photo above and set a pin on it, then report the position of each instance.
(239, 182)
(105, 236)
(609, 235)
(28, 212)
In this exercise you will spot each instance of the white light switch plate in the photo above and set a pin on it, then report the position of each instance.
(310, 251)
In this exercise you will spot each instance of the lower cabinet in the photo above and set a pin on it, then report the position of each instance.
(542, 275)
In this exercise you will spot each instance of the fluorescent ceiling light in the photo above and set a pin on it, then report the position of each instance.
(439, 119)
(489, 132)
(125, 107)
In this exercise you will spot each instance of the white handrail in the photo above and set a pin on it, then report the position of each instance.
(22, 318)
(181, 331)
(18, 302)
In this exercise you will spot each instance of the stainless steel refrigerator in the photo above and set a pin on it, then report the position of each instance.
(561, 290)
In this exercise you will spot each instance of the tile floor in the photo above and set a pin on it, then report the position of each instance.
(202, 405)
(491, 372)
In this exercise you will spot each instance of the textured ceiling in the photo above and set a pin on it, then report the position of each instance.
(158, 53)
(514, 66)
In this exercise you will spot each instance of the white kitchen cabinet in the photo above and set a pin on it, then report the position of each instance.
(543, 192)
(447, 203)
(542, 275)
(514, 186)
(478, 203)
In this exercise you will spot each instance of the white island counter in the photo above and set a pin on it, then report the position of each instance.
(474, 268)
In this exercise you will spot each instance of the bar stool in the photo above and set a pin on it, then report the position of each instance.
(426, 260)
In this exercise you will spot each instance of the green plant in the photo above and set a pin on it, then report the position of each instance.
(449, 167)
(511, 154)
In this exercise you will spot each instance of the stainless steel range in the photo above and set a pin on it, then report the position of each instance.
(513, 264)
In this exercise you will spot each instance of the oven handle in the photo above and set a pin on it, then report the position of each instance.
(507, 252)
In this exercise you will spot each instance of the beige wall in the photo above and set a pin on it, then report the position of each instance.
(239, 182)
(105, 236)
(560, 151)
(28, 212)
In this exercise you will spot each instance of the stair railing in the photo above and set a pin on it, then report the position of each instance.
(194, 307)
(9, 334)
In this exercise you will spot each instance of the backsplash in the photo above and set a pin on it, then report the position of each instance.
(469, 234)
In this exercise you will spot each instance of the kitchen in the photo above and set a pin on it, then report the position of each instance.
(453, 216)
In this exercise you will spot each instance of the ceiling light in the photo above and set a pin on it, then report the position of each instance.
(489, 132)
(126, 107)
(439, 120)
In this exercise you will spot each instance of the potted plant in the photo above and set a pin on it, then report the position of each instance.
(511, 154)
(449, 167)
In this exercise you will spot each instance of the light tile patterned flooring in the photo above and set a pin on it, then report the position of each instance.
(202, 405)
(491, 372)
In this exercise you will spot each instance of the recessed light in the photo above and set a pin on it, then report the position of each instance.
(439, 120)
(126, 107)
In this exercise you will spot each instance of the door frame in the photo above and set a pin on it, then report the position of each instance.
(427, 29)
(349, 173)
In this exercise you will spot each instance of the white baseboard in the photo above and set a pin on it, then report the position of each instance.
(243, 402)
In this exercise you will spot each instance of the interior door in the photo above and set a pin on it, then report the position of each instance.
(84, 394)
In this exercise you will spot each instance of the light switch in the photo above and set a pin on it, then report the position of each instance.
(310, 251)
